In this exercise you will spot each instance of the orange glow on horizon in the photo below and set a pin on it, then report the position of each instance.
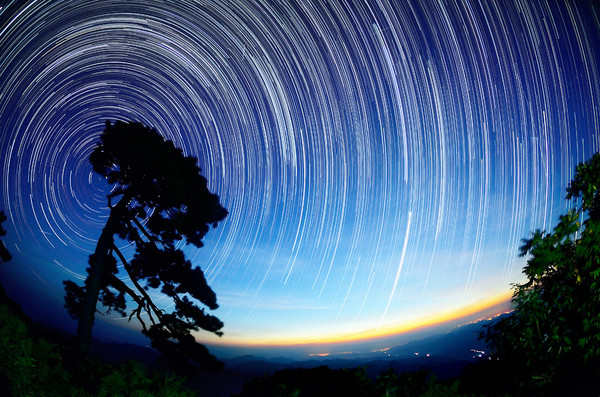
(373, 333)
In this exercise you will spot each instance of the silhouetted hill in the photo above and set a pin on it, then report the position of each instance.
(462, 343)
(120, 352)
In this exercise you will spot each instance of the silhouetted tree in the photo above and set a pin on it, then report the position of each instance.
(553, 336)
(161, 199)
(4, 254)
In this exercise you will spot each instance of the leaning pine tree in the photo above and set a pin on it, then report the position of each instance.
(158, 198)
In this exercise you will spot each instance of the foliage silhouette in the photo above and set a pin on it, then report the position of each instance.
(35, 366)
(161, 199)
(4, 254)
(319, 381)
(31, 366)
(324, 381)
(553, 337)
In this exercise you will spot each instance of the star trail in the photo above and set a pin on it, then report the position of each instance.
(380, 160)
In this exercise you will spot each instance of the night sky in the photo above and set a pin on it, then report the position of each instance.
(380, 161)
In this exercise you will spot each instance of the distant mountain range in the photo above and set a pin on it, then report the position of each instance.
(445, 355)
(461, 344)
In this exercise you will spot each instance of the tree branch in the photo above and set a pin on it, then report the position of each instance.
(139, 317)
(122, 287)
(147, 298)
(145, 232)
(141, 227)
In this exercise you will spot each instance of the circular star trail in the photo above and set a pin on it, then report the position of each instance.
(379, 160)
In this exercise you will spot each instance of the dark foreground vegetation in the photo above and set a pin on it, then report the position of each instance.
(486, 378)
(35, 361)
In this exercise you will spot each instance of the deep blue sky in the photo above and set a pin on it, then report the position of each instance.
(380, 161)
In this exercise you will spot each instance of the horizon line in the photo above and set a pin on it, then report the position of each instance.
(437, 319)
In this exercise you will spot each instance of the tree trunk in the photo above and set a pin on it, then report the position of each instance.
(93, 283)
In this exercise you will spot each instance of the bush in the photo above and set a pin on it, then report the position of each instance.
(37, 368)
